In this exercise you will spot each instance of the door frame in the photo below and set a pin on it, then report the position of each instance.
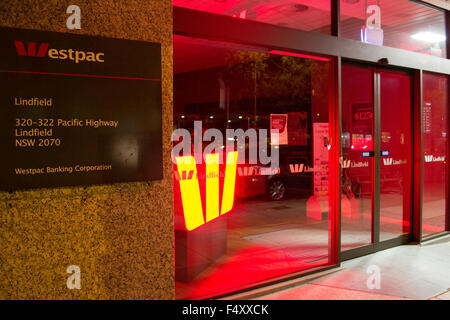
(376, 244)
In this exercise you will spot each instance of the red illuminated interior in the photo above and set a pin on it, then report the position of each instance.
(190, 188)
(400, 19)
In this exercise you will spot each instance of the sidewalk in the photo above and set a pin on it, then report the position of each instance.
(406, 272)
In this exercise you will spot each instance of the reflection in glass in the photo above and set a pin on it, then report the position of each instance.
(400, 24)
(304, 15)
(357, 171)
(396, 166)
(279, 222)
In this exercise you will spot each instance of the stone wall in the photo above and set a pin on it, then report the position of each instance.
(120, 235)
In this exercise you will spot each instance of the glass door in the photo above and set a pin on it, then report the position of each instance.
(376, 163)
(396, 154)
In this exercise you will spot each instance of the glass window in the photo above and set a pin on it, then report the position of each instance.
(266, 214)
(377, 155)
(434, 117)
(305, 15)
(357, 172)
(395, 23)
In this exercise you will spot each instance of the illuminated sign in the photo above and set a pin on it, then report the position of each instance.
(190, 188)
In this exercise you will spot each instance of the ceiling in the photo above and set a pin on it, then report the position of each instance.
(399, 18)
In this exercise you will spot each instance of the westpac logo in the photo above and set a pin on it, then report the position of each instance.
(252, 171)
(190, 188)
(31, 49)
(299, 168)
(346, 164)
(431, 158)
(392, 162)
(42, 50)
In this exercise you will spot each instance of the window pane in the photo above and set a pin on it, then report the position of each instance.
(357, 172)
(305, 15)
(434, 117)
(396, 167)
(276, 220)
(395, 23)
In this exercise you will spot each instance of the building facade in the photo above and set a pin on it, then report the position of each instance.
(316, 132)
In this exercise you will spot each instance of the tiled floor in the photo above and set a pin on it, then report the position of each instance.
(267, 239)
(406, 272)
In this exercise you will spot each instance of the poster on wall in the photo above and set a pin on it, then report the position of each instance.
(78, 110)
(298, 128)
(320, 137)
(279, 122)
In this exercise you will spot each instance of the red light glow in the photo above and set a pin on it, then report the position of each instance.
(299, 55)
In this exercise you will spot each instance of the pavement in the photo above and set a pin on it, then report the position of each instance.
(418, 272)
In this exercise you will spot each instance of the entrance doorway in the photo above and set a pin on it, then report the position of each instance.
(376, 160)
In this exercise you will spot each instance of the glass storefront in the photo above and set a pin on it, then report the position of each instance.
(255, 170)
(278, 219)
(400, 24)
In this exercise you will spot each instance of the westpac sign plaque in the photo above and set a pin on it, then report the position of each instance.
(78, 110)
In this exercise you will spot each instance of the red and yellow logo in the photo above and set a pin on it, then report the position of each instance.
(190, 189)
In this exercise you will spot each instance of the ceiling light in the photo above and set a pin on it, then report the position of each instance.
(429, 37)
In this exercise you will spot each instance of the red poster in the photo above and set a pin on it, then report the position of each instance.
(279, 122)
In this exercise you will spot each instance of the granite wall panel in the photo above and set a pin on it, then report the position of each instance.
(120, 235)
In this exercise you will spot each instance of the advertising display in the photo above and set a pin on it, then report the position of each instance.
(279, 122)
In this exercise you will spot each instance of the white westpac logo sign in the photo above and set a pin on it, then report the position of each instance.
(431, 158)
(346, 164)
(392, 162)
(299, 168)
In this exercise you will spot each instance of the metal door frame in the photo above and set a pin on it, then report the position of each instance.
(376, 244)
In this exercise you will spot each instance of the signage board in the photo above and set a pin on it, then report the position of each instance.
(78, 110)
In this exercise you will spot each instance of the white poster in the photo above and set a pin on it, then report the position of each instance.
(320, 137)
